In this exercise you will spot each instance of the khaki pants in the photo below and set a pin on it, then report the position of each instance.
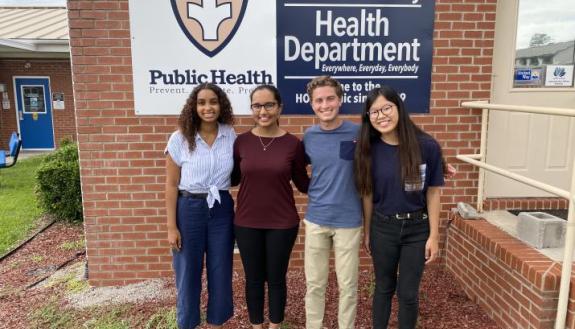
(318, 243)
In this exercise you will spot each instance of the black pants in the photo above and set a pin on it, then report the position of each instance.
(265, 255)
(397, 243)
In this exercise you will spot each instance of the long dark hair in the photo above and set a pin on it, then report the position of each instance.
(190, 122)
(407, 132)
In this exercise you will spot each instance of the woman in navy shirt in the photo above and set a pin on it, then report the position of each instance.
(200, 210)
(399, 171)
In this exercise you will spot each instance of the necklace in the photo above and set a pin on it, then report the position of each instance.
(265, 146)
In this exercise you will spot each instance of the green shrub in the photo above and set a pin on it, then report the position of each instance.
(58, 183)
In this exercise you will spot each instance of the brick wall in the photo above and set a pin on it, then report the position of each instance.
(121, 154)
(60, 74)
(525, 203)
(515, 284)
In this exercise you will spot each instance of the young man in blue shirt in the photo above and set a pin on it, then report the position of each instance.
(334, 215)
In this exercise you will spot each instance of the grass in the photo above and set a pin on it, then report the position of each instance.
(15, 264)
(70, 282)
(73, 245)
(109, 320)
(7, 290)
(75, 285)
(37, 258)
(18, 207)
(50, 316)
(163, 319)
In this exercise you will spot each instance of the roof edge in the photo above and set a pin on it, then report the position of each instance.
(18, 44)
(31, 7)
(57, 46)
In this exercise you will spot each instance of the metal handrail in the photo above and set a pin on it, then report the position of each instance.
(520, 108)
(479, 161)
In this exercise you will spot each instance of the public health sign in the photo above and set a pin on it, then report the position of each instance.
(239, 44)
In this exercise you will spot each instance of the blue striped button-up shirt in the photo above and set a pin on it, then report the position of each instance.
(207, 169)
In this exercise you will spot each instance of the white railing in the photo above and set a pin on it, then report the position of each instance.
(479, 161)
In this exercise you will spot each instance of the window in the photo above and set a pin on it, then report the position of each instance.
(33, 99)
(545, 47)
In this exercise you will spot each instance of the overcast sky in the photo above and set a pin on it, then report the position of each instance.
(554, 17)
(60, 3)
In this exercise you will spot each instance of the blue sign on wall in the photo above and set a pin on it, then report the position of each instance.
(522, 74)
(527, 77)
(363, 45)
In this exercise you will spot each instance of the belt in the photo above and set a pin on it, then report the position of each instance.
(187, 194)
(419, 214)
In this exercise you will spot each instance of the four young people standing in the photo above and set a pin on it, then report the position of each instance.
(265, 160)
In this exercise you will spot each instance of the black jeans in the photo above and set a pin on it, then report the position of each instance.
(265, 255)
(397, 243)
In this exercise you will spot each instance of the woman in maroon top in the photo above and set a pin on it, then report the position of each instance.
(266, 159)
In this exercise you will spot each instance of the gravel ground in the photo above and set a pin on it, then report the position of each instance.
(151, 290)
(443, 303)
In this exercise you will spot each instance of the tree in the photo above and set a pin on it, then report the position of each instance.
(540, 39)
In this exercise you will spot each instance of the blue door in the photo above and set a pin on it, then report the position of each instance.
(34, 106)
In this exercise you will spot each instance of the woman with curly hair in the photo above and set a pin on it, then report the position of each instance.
(200, 210)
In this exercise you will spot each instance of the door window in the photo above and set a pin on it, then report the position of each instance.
(545, 44)
(33, 99)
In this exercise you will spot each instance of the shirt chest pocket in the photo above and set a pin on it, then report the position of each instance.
(347, 150)
(417, 184)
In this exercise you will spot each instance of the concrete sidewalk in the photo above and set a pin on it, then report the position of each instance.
(24, 154)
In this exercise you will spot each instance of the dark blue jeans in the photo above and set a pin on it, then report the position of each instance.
(397, 244)
(210, 233)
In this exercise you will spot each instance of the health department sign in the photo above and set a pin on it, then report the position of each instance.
(241, 44)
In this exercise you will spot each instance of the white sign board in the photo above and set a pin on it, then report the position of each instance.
(559, 76)
(58, 101)
(181, 43)
(239, 44)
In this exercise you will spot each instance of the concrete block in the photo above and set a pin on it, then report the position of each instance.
(541, 230)
(466, 211)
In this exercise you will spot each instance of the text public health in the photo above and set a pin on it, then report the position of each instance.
(220, 77)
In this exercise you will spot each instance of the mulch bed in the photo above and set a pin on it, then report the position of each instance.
(31, 263)
(443, 303)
